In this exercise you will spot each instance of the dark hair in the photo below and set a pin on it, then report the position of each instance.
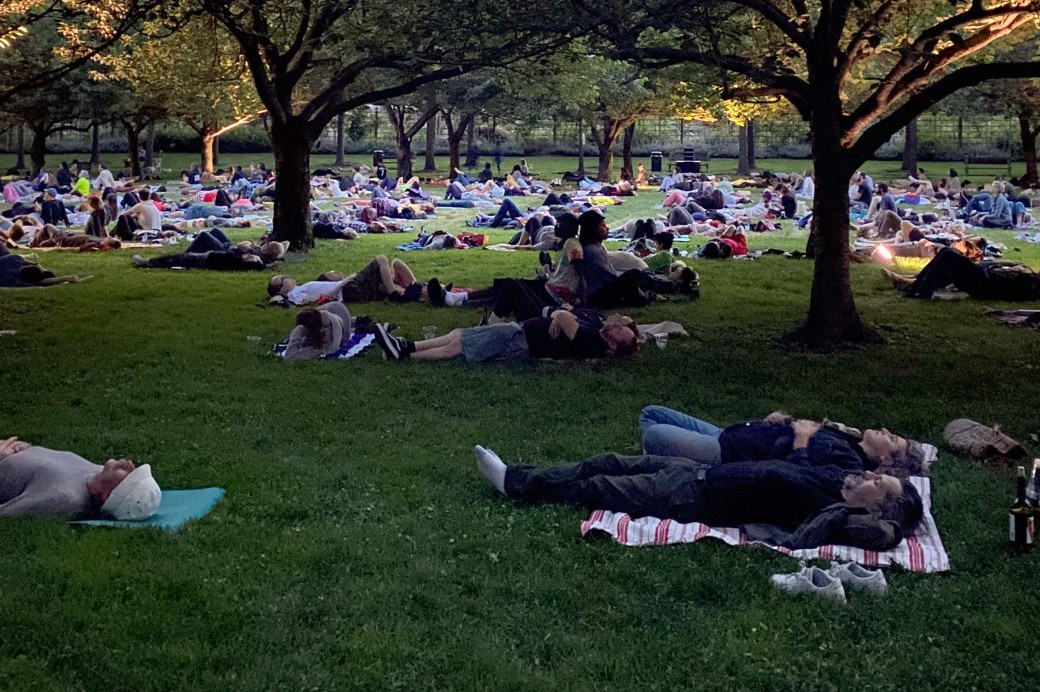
(310, 320)
(953, 173)
(145, 195)
(588, 227)
(882, 188)
(905, 508)
(567, 226)
(664, 240)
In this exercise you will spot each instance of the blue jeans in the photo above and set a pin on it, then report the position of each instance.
(509, 209)
(464, 179)
(667, 432)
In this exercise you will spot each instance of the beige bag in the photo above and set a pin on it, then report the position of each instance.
(971, 439)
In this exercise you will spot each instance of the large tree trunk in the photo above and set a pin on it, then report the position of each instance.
(340, 160)
(471, 143)
(292, 157)
(208, 142)
(751, 154)
(149, 145)
(910, 148)
(95, 144)
(20, 160)
(833, 317)
(216, 150)
(605, 140)
(743, 158)
(455, 135)
(430, 164)
(404, 157)
(38, 153)
(626, 149)
(1028, 135)
(133, 141)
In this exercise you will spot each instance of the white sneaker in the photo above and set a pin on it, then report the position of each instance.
(810, 580)
(857, 577)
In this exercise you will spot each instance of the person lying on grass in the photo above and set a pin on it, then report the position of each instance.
(18, 272)
(668, 432)
(36, 481)
(242, 257)
(379, 279)
(319, 332)
(562, 336)
(984, 280)
(790, 505)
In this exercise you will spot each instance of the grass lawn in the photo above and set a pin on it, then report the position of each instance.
(357, 547)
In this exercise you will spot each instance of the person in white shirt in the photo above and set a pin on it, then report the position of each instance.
(104, 178)
(148, 216)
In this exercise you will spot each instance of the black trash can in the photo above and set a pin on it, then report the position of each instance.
(656, 158)
(377, 157)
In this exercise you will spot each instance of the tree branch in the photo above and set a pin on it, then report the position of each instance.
(881, 131)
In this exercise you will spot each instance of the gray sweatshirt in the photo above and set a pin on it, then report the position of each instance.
(43, 482)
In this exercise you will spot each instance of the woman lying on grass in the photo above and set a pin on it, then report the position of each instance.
(319, 332)
(563, 336)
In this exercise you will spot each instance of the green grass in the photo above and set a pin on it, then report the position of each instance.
(358, 548)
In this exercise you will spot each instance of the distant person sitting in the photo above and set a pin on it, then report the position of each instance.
(52, 209)
(36, 481)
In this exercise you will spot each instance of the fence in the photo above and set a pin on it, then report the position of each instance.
(940, 136)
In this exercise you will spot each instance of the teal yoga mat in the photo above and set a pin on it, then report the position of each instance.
(176, 508)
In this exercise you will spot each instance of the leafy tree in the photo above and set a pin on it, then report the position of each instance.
(858, 72)
(209, 91)
(312, 60)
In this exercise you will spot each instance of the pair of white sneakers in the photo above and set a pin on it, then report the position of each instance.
(832, 582)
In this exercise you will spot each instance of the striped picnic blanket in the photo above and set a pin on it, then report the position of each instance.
(921, 552)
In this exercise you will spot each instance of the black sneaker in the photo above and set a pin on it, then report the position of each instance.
(435, 293)
(391, 345)
(544, 259)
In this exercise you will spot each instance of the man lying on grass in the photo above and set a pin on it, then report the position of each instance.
(36, 481)
(668, 432)
(791, 505)
(564, 335)
(983, 280)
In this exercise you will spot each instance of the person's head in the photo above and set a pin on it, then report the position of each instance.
(715, 249)
(487, 165)
(83, 174)
(94, 202)
(664, 240)
(125, 492)
(145, 195)
(567, 226)
(274, 251)
(64, 164)
(620, 334)
(998, 187)
(102, 167)
(882, 188)
(886, 496)
(280, 285)
(767, 195)
(314, 326)
(16, 233)
(592, 227)
(953, 173)
(50, 193)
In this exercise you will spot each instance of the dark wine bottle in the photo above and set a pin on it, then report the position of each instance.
(1021, 516)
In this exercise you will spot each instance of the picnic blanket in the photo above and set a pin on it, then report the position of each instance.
(176, 508)
(1020, 318)
(358, 343)
(921, 552)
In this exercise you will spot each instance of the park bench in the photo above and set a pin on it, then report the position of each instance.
(980, 161)
(703, 157)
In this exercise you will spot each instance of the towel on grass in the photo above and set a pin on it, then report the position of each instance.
(358, 343)
(921, 552)
(176, 508)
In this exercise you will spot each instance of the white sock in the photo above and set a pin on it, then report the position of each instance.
(491, 467)
(495, 319)
(452, 299)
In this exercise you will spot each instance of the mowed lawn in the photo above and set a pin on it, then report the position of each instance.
(357, 547)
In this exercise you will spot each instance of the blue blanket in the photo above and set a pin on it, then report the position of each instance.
(176, 508)
(357, 343)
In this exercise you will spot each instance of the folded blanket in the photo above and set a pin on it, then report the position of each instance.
(358, 343)
(922, 551)
(176, 508)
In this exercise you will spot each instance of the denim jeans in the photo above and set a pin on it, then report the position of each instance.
(508, 208)
(667, 432)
